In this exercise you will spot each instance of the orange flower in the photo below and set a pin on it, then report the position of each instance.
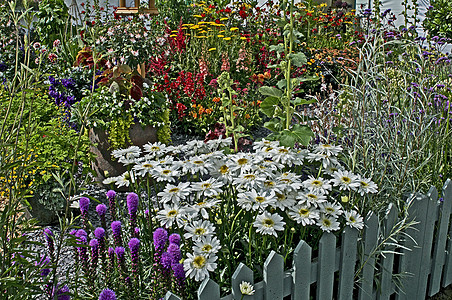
(247, 116)
(259, 102)
(267, 75)
(209, 111)
(195, 115)
(216, 99)
(260, 78)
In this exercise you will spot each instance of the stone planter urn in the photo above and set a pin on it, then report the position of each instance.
(103, 164)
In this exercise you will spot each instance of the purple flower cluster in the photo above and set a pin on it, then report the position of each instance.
(94, 244)
(101, 210)
(84, 207)
(116, 229)
(134, 246)
(111, 195)
(132, 206)
(107, 294)
(48, 234)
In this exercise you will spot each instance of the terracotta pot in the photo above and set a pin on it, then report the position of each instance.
(104, 164)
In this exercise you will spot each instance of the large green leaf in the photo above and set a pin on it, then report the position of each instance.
(270, 91)
(268, 106)
(300, 101)
(273, 125)
(297, 134)
(299, 59)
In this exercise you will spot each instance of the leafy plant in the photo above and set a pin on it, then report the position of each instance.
(281, 102)
(438, 19)
(51, 20)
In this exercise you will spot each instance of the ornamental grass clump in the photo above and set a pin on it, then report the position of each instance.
(232, 208)
(398, 110)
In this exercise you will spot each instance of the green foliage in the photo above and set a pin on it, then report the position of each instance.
(281, 104)
(51, 20)
(118, 132)
(164, 131)
(438, 19)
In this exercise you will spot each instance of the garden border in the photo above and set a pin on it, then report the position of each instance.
(426, 260)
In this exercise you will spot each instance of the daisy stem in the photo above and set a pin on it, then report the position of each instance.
(249, 245)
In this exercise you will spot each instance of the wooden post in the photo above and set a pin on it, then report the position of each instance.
(137, 3)
(122, 3)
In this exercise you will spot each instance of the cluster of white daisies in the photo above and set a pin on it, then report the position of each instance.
(198, 177)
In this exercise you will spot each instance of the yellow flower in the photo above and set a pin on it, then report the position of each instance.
(243, 38)
(344, 199)
(234, 29)
(227, 38)
(197, 16)
(200, 36)
(173, 35)
(220, 35)
(188, 24)
(174, 31)
(224, 19)
(212, 49)
(323, 5)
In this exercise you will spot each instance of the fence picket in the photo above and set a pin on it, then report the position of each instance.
(171, 296)
(274, 277)
(370, 237)
(242, 273)
(427, 240)
(326, 266)
(301, 271)
(387, 262)
(411, 259)
(447, 197)
(209, 290)
(347, 263)
(439, 246)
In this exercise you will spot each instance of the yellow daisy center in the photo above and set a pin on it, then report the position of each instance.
(268, 222)
(199, 262)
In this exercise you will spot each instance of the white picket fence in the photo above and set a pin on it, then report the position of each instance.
(427, 261)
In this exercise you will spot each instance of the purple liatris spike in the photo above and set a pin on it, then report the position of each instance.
(101, 209)
(111, 260)
(48, 234)
(160, 238)
(111, 195)
(137, 232)
(134, 245)
(94, 243)
(107, 294)
(132, 206)
(174, 239)
(99, 233)
(62, 293)
(121, 259)
(116, 228)
(83, 254)
(165, 261)
(174, 253)
(179, 274)
(84, 206)
(45, 260)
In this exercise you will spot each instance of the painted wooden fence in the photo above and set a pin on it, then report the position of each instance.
(425, 261)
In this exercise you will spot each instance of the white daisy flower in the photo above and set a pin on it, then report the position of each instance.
(111, 180)
(328, 149)
(290, 181)
(155, 149)
(260, 200)
(199, 265)
(328, 223)
(221, 171)
(258, 146)
(301, 155)
(195, 147)
(198, 229)
(285, 200)
(317, 184)
(248, 181)
(268, 223)
(345, 180)
(171, 215)
(203, 205)
(207, 245)
(128, 153)
(196, 165)
(331, 209)
(173, 193)
(125, 179)
(283, 155)
(304, 214)
(312, 198)
(145, 167)
(165, 173)
(241, 162)
(366, 185)
(326, 160)
(354, 220)
(246, 288)
(208, 188)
